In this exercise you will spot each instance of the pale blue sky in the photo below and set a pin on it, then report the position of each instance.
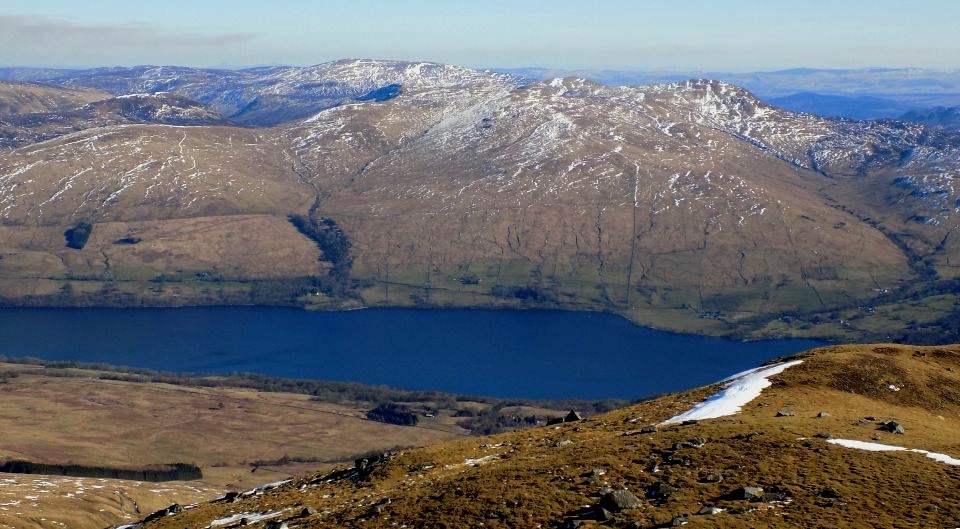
(717, 35)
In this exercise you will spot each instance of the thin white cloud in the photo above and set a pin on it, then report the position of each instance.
(32, 38)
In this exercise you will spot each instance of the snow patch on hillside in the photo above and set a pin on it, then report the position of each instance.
(878, 447)
(249, 517)
(739, 390)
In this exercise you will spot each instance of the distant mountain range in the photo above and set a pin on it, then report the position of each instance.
(858, 107)
(858, 94)
(868, 93)
(937, 117)
(690, 205)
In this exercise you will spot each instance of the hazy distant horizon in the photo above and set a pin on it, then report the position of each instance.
(493, 68)
(734, 36)
(484, 67)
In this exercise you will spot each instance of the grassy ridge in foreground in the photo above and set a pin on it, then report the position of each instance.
(556, 476)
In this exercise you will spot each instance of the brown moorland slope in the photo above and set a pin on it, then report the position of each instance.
(784, 442)
(28, 98)
(238, 437)
(32, 113)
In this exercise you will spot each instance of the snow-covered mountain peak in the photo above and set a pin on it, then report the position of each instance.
(714, 99)
(368, 74)
(574, 86)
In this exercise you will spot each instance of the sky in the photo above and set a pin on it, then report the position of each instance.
(661, 35)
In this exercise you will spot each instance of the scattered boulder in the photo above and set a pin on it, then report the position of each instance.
(746, 493)
(696, 442)
(661, 492)
(709, 509)
(366, 464)
(572, 417)
(564, 442)
(229, 497)
(275, 524)
(786, 413)
(714, 477)
(173, 509)
(649, 429)
(425, 466)
(620, 500)
(823, 435)
(893, 427)
(308, 511)
(593, 477)
(829, 493)
(775, 497)
(602, 515)
(823, 415)
(747, 436)
(681, 461)
(678, 521)
(829, 498)
(751, 493)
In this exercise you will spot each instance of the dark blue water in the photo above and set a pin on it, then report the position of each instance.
(534, 354)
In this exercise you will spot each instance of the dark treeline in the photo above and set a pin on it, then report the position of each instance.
(329, 237)
(76, 237)
(286, 459)
(153, 473)
(942, 331)
(528, 293)
(495, 421)
(393, 413)
(333, 242)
